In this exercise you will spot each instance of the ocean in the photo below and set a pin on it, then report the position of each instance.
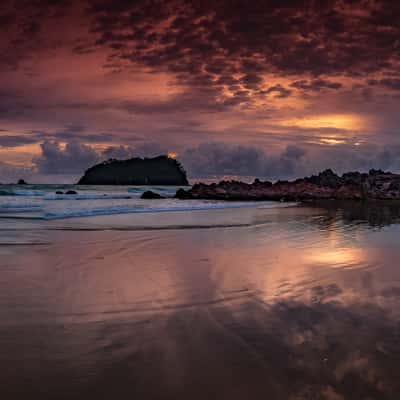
(104, 295)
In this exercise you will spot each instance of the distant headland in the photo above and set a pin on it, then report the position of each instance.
(374, 185)
(161, 170)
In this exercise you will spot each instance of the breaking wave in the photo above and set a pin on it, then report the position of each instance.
(91, 196)
(189, 206)
(12, 192)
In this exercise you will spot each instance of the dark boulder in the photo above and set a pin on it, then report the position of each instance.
(21, 182)
(183, 194)
(71, 192)
(151, 195)
(59, 192)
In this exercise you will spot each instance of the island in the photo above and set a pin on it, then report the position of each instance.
(374, 185)
(161, 170)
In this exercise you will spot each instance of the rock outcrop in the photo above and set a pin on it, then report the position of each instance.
(376, 184)
(148, 194)
(160, 170)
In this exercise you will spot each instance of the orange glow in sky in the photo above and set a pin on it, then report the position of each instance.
(337, 121)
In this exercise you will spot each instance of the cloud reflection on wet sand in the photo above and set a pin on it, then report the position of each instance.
(302, 306)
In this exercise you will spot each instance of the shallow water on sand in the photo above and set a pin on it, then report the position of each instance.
(300, 302)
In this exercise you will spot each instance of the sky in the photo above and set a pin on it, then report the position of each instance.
(270, 89)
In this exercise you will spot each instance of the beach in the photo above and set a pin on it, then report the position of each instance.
(104, 295)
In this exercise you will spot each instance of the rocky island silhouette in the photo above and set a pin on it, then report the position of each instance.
(161, 170)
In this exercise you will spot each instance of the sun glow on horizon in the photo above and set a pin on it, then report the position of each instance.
(172, 154)
(334, 121)
(332, 141)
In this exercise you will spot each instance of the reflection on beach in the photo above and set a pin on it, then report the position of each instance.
(294, 303)
(337, 258)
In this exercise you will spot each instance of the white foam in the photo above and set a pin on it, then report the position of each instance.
(21, 192)
(189, 206)
(19, 205)
(88, 196)
(165, 191)
(12, 208)
(171, 189)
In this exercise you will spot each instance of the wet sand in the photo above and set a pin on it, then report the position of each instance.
(297, 303)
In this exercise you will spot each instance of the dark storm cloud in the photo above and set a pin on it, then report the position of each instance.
(15, 140)
(316, 85)
(7, 19)
(219, 159)
(142, 150)
(389, 83)
(23, 20)
(207, 159)
(251, 81)
(215, 40)
(347, 157)
(71, 133)
(74, 158)
(68, 135)
(119, 152)
(183, 102)
(278, 91)
(216, 159)
(223, 43)
(200, 99)
(213, 47)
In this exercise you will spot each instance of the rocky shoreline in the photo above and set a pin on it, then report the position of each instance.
(374, 185)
